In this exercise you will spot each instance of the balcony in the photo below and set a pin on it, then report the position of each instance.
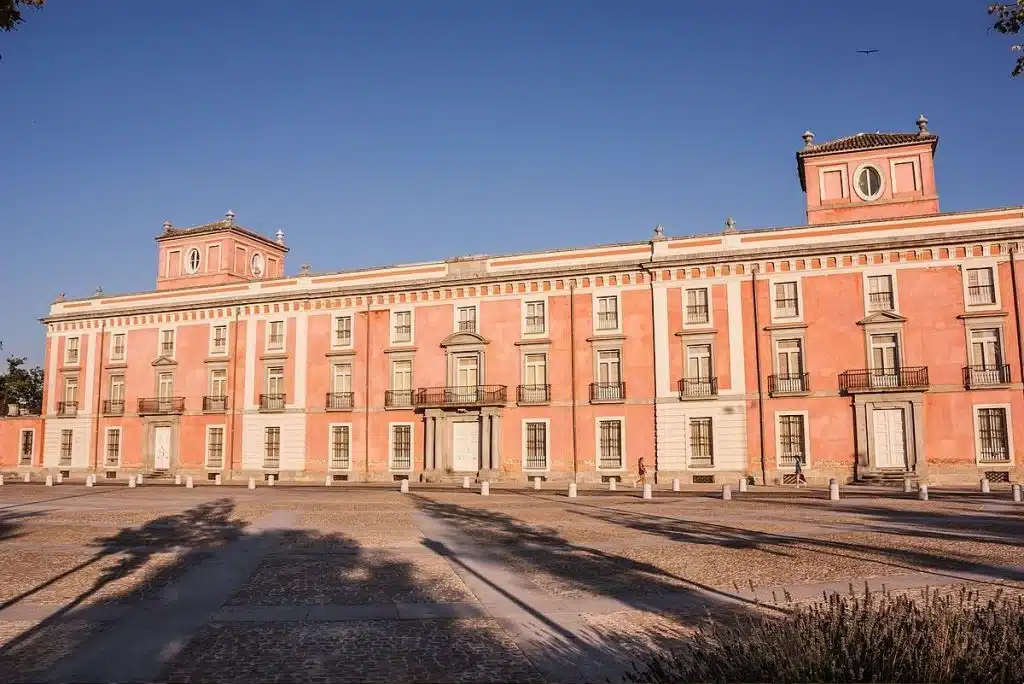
(403, 333)
(697, 313)
(884, 379)
(880, 301)
(787, 307)
(986, 375)
(67, 409)
(398, 399)
(270, 403)
(534, 325)
(607, 321)
(167, 349)
(155, 406)
(533, 394)
(468, 325)
(981, 294)
(473, 395)
(607, 391)
(340, 401)
(781, 385)
(215, 404)
(698, 388)
(113, 407)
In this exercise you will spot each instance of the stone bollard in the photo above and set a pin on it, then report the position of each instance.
(465, 482)
(252, 483)
(833, 489)
(138, 479)
(28, 477)
(908, 486)
(572, 490)
(612, 482)
(726, 492)
(485, 488)
(271, 480)
(89, 482)
(922, 492)
(328, 481)
(743, 484)
(985, 488)
(49, 480)
(404, 487)
(60, 478)
(218, 479)
(177, 478)
(675, 484)
(536, 483)
(131, 483)
(647, 491)
(189, 482)
(1017, 493)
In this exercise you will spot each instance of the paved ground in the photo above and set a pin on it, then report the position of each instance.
(363, 584)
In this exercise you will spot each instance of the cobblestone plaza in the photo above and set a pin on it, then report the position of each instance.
(363, 583)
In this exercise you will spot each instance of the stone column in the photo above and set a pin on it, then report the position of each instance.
(496, 442)
(428, 447)
(485, 441)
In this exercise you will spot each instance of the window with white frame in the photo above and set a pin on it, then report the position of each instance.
(165, 385)
(218, 382)
(113, 457)
(219, 344)
(340, 447)
(215, 447)
(610, 443)
(609, 367)
(341, 378)
(401, 447)
(118, 346)
(401, 374)
(702, 447)
(71, 390)
(467, 319)
(535, 378)
(343, 331)
(993, 440)
(608, 313)
(536, 323)
(116, 392)
(792, 440)
(697, 310)
(402, 326)
(275, 335)
(787, 300)
(868, 182)
(790, 366)
(272, 448)
(167, 343)
(536, 432)
(986, 353)
(981, 287)
(71, 351)
(66, 444)
(27, 447)
(192, 261)
(885, 354)
(880, 293)
(275, 381)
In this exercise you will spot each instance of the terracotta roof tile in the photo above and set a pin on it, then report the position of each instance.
(223, 224)
(867, 141)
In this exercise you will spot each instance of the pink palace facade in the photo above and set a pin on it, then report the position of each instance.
(879, 341)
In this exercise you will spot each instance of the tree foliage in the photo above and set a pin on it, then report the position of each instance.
(1009, 18)
(21, 385)
(10, 12)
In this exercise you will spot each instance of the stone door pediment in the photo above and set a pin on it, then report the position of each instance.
(882, 318)
(464, 339)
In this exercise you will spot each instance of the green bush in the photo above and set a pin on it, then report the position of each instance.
(872, 638)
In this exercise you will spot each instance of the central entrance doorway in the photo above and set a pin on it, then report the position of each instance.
(162, 447)
(890, 438)
(466, 446)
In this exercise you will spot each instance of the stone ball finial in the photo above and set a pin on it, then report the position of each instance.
(230, 217)
(659, 232)
(730, 225)
(167, 226)
(99, 291)
(60, 297)
(304, 269)
(922, 125)
(808, 137)
(279, 236)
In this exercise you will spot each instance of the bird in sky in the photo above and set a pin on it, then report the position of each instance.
(867, 52)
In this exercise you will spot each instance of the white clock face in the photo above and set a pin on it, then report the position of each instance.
(257, 265)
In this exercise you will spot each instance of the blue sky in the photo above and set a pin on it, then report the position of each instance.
(385, 131)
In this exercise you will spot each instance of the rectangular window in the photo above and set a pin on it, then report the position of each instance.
(535, 370)
(697, 306)
(341, 380)
(340, 447)
(113, 448)
(401, 375)
(401, 447)
(610, 442)
(117, 347)
(701, 443)
(985, 351)
(116, 394)
(607, 313)
(275, 381)
(980, 286)
(992, 437)
(884, 353)
(71, 390)
(880, 294)
(219, 382)
(66, 437)
(71, 351)
(790, 367)
(787, 300)
(275, 336)
(28, 445)
(165, 385)
(343, 331)
(272, 448)
(167, 343)
(220, 339)
(792, 443)
(403, 326)
(609, 367)
(535, 321)
(215, 448)
(698, 362)
(467, 319)
(536, 445)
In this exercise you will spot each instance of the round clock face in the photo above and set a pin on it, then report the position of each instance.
(257, 265)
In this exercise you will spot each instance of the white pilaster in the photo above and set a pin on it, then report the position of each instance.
(51, 376)
(250, 364)
(661, 342)
(301, 334)
(737, 366)
(88, 402)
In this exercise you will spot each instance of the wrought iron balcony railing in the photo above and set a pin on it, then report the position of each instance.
(981, 294)
(607, 391)
(67, 409)
(697, 313)
(880, 301)
(397, 398)
(339, 401)
(883, 379)
(790, 383)
(986, 375)
(113, 407)
(472, 395)
(698, 388)
(272, 402)
(215, 404)
(533, 394)
(161, 405)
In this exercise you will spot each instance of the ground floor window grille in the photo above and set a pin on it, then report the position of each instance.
(113, 447)
(272, 455)
(992, 435)
(792, 445)
(215, 448)
(65, 447)
(610, 443)
(340, 447)
(28, 439)
(401, 447)
(536, 446)
(701, 443)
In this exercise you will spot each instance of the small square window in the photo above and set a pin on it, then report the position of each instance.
(608, 313)
(981, 289)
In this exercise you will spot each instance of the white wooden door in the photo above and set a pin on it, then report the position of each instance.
(890, 438)
(465, 447)
(161, 448)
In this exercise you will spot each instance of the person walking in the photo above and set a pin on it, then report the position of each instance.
(641, 472)
(800, 479)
